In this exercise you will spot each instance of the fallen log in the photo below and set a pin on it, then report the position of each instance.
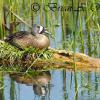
(59, 59)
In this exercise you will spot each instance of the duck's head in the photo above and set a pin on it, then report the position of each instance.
(38, 29)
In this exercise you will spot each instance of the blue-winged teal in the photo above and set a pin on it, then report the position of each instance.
(24, 39)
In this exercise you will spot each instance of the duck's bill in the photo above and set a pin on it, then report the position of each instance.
(47, 32)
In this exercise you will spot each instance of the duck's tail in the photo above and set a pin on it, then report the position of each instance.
(10, 41)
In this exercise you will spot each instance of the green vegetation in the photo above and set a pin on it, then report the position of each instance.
(9, 52)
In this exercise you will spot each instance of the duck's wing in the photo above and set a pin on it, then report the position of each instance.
(11, 38)
(17, 46)
(19, 34)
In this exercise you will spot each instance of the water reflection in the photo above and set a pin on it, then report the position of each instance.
(67, 85)
(40, 81)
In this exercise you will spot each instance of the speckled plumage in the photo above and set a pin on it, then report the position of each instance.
(24, 39)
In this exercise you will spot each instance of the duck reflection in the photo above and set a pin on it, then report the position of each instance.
(39, 80)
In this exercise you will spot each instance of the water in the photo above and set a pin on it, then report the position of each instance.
(61, 86)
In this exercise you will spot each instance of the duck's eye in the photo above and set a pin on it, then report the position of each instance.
(38, 26)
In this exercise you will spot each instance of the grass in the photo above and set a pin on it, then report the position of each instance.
(9, 52)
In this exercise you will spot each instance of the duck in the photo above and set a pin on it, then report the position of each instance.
(24, 39)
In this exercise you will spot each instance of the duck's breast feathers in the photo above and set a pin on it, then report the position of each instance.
(40, 41)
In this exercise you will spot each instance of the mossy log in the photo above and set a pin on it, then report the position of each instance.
(59, 59)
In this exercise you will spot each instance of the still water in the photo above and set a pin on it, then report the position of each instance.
(52, 85)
